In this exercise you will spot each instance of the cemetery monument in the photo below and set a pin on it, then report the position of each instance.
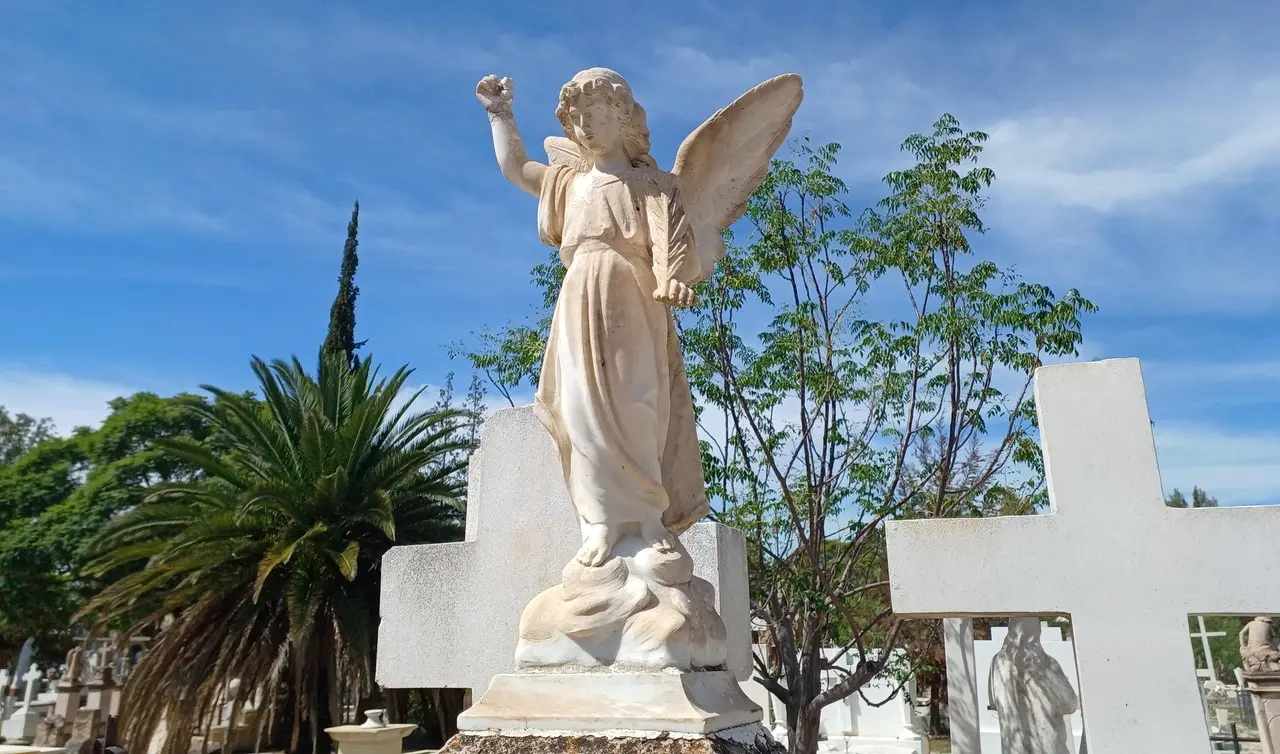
(629, 644)
(1110, 554)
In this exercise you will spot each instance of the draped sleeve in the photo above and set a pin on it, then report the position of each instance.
(553, 199)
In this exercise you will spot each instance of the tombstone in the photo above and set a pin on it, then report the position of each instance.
(775, 714)
(1110, 554)
(871, 722)
(451, 612)
(56, 729)
(877, 725)
(87, 725)
(23, 724)
(102, 692)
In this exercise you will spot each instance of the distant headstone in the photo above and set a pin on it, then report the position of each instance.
(1110, 554)
(23, 724)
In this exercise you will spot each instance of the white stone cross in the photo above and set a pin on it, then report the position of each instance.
(1110, 554)
(451, 612)
(1204, 635)
(32, 677)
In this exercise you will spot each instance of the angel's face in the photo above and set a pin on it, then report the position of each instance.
(595, 124)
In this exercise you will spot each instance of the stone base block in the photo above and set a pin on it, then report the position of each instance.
(572, 703)
(744, 739)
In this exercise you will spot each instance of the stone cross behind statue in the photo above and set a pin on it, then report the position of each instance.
(451, 612)
(1110, 554)
(32, 678)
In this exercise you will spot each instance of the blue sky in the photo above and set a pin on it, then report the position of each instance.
(175, 178)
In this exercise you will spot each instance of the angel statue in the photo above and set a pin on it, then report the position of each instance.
(635, 240)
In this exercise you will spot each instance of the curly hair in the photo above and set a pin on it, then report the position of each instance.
(609, 84)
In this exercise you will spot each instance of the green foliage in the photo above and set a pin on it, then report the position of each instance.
(512, 356)
(1199, 499)
(828, 420)
(847, 370)
(267, 561)
(1225, 649)
(342, 315)
(19, 433)
(59, 494)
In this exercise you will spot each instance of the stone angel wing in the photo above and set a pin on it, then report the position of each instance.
(724, 160)
(562, 151)
(721, 162)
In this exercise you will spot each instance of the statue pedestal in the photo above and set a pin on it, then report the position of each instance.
(698, 703)
(744, 739)
(1265, 690)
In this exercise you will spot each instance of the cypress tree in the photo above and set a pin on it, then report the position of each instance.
(342, 316)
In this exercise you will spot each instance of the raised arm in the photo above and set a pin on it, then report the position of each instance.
(496, 94)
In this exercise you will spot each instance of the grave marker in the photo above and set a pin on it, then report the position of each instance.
(451, 612)
(1110, 554)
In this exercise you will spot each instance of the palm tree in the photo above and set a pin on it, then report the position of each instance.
(266, 569)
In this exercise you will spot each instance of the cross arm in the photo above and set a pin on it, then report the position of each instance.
(946, 567)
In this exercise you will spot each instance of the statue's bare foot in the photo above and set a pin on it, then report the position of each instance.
(656, 535)
(596, 544)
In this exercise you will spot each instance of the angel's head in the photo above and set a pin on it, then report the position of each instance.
(600, 115)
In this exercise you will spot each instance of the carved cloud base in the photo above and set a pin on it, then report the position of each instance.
(686, 703)
(641, 610)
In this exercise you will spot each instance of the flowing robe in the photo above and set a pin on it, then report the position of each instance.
(613, 390)
(1032, 695)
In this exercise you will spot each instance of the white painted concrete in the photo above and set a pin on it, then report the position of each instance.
(1110, 554)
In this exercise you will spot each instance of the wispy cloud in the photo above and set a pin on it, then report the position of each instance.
(70, 401)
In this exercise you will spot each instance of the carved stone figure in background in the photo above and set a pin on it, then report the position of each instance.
(634, 240)
(1258, 649)
(1031, 694)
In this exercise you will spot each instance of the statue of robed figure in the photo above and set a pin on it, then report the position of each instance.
(634, 240)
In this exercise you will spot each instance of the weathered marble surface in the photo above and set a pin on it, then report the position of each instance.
(659, 702)
(1258, 649)
(1031, 694)
(451, 612)
(747, 739)
(634, 239)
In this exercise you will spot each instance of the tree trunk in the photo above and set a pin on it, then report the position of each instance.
(935, 706)
(803, 736)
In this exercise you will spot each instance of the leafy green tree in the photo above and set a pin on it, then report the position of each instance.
(512, 355)
(19, 433)
(55, 498)
(825, 421)
(267, 563)
(342, 315)
(821, 420)
(1199, 499)
(1225, 649)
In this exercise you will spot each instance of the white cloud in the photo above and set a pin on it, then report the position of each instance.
(1109, 154)
(70, 401)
